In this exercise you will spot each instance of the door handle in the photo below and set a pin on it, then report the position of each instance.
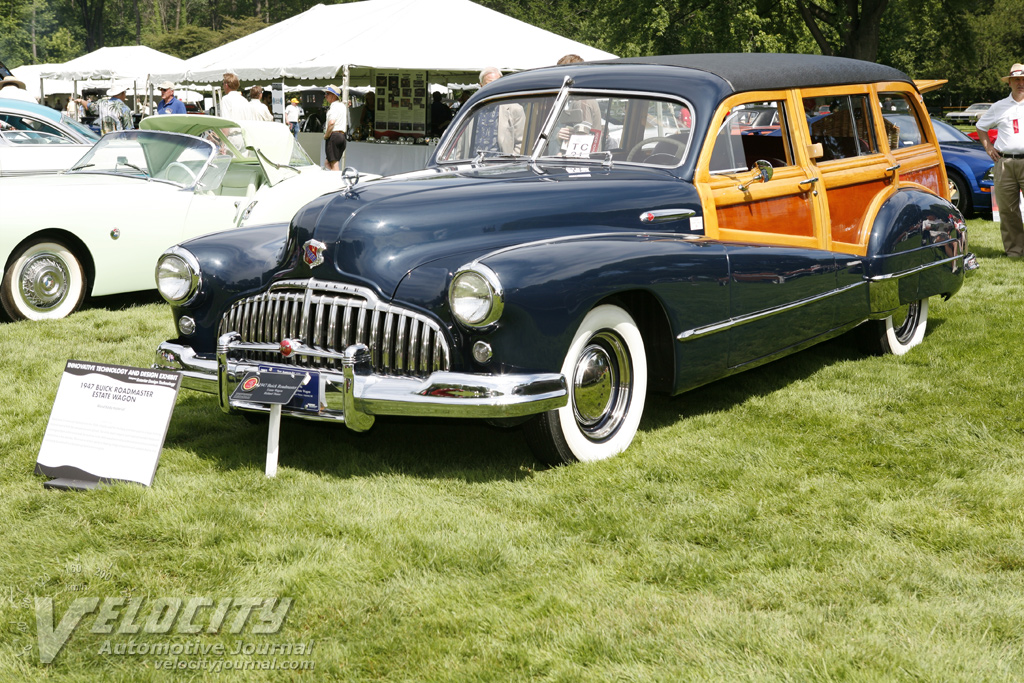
(809, 181)
(892, 169)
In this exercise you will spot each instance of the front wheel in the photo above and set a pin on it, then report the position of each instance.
(606, 370)
(44, 281)
(959, 193)
(900, 332)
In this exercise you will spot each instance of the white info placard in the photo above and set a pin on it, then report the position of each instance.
(108, 423)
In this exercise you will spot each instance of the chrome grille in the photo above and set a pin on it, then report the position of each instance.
(331, 316)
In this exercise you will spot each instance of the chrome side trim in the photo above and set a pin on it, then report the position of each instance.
(666, 215)
(917, 269)
(698, 332)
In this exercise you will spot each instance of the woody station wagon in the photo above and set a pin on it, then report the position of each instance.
(583, 235)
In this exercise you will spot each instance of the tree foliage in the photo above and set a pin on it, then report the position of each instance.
(969, 42)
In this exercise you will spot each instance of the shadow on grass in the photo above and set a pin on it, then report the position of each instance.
(120, 302)
(466, 450)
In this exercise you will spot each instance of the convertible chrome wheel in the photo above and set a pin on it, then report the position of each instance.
(44, 281)
(900, 332)
(606, 370)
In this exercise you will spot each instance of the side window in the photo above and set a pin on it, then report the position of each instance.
(752, 132)
(901, 124)
(842, 124)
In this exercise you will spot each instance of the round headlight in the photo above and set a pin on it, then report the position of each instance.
(177, 276)
(475, 296)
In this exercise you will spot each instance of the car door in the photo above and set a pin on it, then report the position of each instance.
(145, 218)
(780, 274)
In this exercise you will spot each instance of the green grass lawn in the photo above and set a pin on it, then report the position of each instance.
(830, 516)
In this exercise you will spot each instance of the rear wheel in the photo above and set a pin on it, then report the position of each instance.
(44, 281)
(606, 369)
(900, 332)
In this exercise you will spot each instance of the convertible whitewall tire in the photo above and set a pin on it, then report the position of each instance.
(44, 281)
(606, 372)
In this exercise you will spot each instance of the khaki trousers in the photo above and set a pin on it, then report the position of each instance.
(1009, 181)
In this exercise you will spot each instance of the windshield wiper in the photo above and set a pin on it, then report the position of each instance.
(78, 168)
(131, 165)
(482, 154)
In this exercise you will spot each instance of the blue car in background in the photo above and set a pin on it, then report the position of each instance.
(968, 168)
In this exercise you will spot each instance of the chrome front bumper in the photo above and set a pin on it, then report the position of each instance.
(354, 395)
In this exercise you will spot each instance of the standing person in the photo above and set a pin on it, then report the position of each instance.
(259, 110)
(72, 109)
(112, 111)
(168, 104)
(440, 115)
(233, 105)
(1007, 116)
(292, 114)
(501, 128)
(13, 89)
(335, 128)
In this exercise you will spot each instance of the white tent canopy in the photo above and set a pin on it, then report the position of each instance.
(125, 63)
(440, 36)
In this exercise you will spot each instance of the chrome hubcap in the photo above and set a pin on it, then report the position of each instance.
(954, 194)
(601, 384)
(44, 282)
(904, 329)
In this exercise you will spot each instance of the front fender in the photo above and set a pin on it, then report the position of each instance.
(550, 286)
(232, 264)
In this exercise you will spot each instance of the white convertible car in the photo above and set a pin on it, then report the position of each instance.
(36, 139)
(99, 227)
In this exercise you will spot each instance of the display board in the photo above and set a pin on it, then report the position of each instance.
(108, 423)
(401, 102)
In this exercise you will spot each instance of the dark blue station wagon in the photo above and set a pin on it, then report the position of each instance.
(583, 235)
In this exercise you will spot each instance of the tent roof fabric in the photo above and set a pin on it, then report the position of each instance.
(447, 36)
(124, 63)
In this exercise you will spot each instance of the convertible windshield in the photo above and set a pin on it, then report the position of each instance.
(148, 154)
(588, 125)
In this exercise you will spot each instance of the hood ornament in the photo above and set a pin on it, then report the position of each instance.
(313, 252)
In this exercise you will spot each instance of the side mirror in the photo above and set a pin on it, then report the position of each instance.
(763, 172)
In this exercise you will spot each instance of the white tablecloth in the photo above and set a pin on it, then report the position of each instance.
(387, 159)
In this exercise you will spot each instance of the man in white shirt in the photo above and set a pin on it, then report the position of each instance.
(233, 105)
(292, 114)
(260, 112)
(1007, 115)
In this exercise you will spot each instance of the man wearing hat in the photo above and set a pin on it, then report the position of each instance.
(335, 128)
(292, 113)
(13, 89)
(112, 111)
(169, 104)
(1007, 116)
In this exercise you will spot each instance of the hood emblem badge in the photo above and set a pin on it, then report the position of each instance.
(313, 253)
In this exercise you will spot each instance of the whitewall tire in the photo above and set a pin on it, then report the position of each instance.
(44, 281)
(606, 372)
(900, 332)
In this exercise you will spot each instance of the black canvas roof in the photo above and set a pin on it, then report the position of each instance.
(766, 71)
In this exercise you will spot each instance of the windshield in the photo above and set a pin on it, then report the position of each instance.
(83, 130)
(589, 125)
(174, 157)
(947, 133)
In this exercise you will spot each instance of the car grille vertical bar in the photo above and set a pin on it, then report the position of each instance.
(331, 317)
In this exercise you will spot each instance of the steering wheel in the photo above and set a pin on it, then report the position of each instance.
(635, 150)
(178, 168)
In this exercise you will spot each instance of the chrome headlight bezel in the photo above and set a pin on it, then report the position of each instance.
(477, 283)
(178, 265)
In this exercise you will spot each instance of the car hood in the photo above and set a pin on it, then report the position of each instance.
(379, 231)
